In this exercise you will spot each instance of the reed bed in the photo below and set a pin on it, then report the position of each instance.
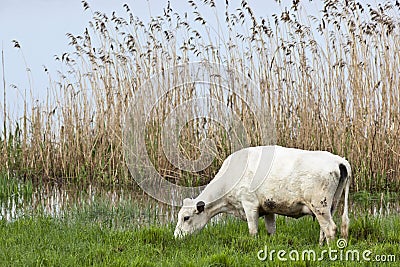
(331, 81)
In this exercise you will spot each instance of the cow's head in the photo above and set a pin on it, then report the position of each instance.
(191, 217)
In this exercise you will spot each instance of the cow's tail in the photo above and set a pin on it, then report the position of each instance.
(345, 216)
(344, 184)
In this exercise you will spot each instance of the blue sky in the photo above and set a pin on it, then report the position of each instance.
(40, 27)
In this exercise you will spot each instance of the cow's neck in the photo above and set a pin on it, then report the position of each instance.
(214, 204)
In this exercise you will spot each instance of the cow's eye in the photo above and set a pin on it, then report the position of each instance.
(186, 218)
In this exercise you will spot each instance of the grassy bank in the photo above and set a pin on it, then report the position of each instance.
(42, 241)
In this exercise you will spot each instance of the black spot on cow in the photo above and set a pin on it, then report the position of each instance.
(319, 212)
(270, 204)
(324, 203)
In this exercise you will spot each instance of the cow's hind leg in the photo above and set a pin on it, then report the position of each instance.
(328, 227)
(322, 212)
(270, 223)
(321, 237)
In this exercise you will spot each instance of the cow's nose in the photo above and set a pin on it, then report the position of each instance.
(177, 234)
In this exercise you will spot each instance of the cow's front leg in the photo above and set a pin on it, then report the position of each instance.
(270, 223)
(251, 211)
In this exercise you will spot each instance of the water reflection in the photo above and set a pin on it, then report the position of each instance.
(58, 201)
(380, 205)
(99, 204)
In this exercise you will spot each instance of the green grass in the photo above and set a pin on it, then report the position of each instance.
(123, 230)
(72, 241)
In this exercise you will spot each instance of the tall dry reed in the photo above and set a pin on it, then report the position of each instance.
(332, 82)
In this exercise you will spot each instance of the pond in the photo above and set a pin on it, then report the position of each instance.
(98, 203)
(130, 206)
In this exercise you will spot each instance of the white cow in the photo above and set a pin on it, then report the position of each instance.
(268, 180)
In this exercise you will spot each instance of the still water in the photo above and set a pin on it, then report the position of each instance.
(137, 207)
(59, 201)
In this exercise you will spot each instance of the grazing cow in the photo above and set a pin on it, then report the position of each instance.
(268, 180)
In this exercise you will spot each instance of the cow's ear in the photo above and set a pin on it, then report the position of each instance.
(200, 206)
